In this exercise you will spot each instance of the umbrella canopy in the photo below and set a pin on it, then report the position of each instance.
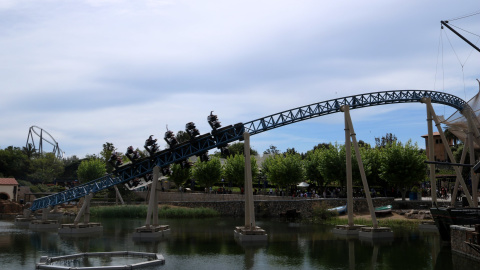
(303, 184)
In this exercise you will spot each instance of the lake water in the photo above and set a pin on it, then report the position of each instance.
(209, 244)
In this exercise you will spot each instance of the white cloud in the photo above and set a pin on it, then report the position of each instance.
(118, 71)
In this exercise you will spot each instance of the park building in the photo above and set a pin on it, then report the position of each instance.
(8, 189)
(438, 148)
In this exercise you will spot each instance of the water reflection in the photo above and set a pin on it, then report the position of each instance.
(206, 243)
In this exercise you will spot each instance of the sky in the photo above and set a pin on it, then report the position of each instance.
(95, 71)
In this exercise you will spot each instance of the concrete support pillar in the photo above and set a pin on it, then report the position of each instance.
(152, 230)
(249, 232)
(249, 204)
(84, 211)
(45, 212)
(152, 210)
(118, 196)
(85, 228)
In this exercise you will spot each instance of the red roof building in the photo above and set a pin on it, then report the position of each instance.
(8, 189)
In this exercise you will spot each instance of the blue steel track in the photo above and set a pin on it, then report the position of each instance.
(223, 136)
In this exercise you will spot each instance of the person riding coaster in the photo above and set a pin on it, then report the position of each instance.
(115, 160)
(170, 138)
(151, 145)
(191, 130)
(213, 121)
(132, 154)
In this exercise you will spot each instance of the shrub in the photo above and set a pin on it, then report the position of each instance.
(140, 211)
(321, 212)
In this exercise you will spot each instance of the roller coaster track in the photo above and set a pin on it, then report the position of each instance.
(223, 136)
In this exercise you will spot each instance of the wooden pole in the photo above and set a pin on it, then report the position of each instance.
(360, 166)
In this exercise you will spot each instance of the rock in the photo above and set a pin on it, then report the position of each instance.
(9, 207)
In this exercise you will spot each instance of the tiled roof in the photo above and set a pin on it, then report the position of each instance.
(8, 181)
(436, 133)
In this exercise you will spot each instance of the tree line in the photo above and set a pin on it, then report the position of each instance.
(389, 164)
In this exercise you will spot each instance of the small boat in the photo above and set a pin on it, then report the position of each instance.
(339, 209)
(383, 210)
(444, 217)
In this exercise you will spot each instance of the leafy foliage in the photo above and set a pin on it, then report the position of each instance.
(332, 164)
(403, 166)
(140, 211)
(46, 167)
(90, 170)
(271, 150)
(320, 212)
(14, 163)
(182, 136)
(234, 169)
(389, 138)
(239, 149)
(105, 154)
(313, 171)
(208, 173)
(179, 175)
(284, 170)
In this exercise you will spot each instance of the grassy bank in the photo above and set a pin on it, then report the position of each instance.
(392, 223)
(321, 215)
(140, 211)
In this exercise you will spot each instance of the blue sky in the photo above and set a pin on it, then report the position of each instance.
(97, 71)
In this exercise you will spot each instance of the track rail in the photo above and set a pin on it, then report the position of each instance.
(355, 102)
(229, 134)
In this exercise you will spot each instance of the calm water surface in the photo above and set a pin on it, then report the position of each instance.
(209, 244)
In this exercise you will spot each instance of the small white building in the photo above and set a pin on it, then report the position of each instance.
(8, 189)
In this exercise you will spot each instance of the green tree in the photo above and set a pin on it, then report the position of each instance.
(91, 169)
(234, 169)
(14, 163)
(283, 170)
(271, 150)
(403, 166)
(332, 164)
(322, 146)
(208, 173)
(29, 150)
(179, 175)
(312, 165)
(71, 167)
(105, 154)
(238, 149)
(372, 160)
(291, 151)
(46, 168)
(182, 136)
(389, 138)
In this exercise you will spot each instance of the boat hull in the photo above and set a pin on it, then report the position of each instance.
(340, 209)
(383, 210)
(444, 217)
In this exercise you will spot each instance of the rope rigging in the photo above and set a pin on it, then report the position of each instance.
(466, 16)
(473, 45)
